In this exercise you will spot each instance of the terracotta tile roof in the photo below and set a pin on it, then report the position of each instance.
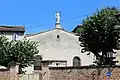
(28, 35)
(12, 28)
(75, 29)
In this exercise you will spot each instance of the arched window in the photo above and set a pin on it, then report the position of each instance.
(76, 62)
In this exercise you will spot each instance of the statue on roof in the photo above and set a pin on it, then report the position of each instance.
(57, 17)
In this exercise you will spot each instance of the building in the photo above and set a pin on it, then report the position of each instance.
(59, 47)
(13, 32)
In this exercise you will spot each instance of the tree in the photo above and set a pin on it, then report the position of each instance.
(99, 35)
(20, 51)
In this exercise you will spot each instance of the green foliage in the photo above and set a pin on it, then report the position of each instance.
(21, 51)
(100, 36)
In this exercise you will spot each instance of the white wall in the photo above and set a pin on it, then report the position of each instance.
(9, 35)
(65, 48)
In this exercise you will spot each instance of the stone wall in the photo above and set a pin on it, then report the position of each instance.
(83, 73)
(4, 74)
(11, 73)
(33, 76)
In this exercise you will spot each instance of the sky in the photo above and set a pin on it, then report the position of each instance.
(39, 15)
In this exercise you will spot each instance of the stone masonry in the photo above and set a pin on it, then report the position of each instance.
(11, 73)
(4, 74)
(82, 73)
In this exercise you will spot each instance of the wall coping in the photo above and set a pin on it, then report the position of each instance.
(83, 67)
(4, 69)
(43, 61)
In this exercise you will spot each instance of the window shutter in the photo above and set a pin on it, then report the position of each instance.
(15, 36)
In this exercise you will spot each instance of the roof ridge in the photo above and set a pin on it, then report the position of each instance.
(12, 28)
(29, 35)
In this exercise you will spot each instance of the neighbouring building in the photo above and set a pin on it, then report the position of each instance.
(13, 32)
(59, 47)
